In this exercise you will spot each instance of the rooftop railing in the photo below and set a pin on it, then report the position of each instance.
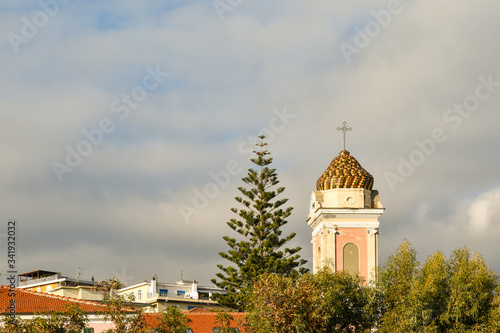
(35, 281)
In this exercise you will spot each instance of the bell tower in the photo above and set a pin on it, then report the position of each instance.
(344, 215)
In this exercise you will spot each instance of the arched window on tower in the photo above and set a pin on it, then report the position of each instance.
(351, 258)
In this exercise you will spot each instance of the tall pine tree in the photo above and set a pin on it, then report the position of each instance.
(259, 248)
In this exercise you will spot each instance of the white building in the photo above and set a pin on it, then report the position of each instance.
(156, 296)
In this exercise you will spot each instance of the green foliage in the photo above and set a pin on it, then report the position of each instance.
(345, 303)
(281, 304)
(395, 283)
(70, 320)
(117, 308)
(223, 320)
(472, 285)
(429, 294)
(397, 275)
(458, 294)
(260, 248)
(173, 320)
(454, 295)
(11, 324)
(325, 302)
(494, 319)
(108, 286)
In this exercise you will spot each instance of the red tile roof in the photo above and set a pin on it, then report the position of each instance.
(28, 301)
(201, 321)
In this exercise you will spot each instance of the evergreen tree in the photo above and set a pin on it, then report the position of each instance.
(260, 248)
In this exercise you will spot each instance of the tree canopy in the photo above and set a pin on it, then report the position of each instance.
(327, 301)
(458, 294)
(71, 320)
(455, 294)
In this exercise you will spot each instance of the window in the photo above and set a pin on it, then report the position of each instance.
(318, 258)
(351, 258)
(204, 295)
(163, 292)
(139, 295)
(88, 330)
(181, 293)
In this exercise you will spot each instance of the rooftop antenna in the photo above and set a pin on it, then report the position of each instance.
(344, 129)
(181, 276)
(78, 271)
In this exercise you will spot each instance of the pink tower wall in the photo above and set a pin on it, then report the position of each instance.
(357, 236)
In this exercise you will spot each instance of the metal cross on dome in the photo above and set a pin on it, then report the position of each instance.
(344, 129)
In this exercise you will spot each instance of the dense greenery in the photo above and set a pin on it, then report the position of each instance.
(70, 320)
(223, 321)
(259, 248)
(173, 320)
(325, 302)
(458, 294)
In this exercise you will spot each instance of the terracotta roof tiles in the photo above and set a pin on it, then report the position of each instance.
(28, 301)
(201, 320)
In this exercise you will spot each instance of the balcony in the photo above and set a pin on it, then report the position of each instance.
(39, 280)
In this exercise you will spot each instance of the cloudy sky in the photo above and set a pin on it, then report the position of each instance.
(126, 126)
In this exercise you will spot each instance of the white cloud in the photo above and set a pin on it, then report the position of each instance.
(484, 210)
